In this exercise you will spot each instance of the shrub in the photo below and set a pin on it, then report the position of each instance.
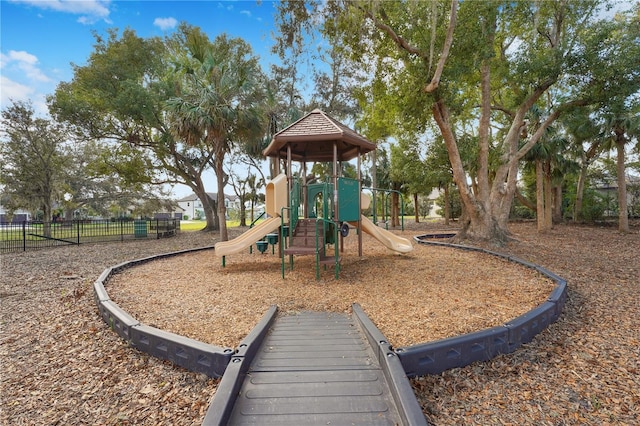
(522, 212)
(454, 203)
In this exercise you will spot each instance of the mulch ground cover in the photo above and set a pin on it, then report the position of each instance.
(62, 365)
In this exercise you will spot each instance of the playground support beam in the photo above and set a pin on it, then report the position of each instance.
(359, 205)
(305, 192)
(336, 207)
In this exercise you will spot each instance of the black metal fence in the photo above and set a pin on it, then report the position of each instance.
(33, 235)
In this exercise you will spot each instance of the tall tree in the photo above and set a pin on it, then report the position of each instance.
(334, 88)
(218, 101)
(621, 126)
(34, 159)
(408, 167)
(294, 21)
(119, 96)
(585, 146)
(439, 173)
(246, 188)
(489, 62)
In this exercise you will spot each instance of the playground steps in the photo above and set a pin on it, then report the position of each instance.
(315, 368)
(329, 260)
(303, 239)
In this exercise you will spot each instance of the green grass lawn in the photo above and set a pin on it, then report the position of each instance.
(198, 225)
(189, 225)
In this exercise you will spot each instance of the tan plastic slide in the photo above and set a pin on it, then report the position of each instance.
(246, 239)
(275, 200)
(388, 239)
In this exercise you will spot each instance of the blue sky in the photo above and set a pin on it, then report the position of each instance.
(40, 39)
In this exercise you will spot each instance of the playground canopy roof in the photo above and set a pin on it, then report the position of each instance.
(312, 137)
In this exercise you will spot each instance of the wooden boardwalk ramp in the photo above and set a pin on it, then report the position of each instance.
(315, 368)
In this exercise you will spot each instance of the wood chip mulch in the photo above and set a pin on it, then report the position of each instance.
(60, 364)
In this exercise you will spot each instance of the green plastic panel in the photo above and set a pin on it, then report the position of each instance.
(319, 206)
(348, 199)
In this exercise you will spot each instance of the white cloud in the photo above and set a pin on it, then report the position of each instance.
(18, 56)
(26, 63)
(90, 10)
(246, 12)
(12, 90)
(165, 23)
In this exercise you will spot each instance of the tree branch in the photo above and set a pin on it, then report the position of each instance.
(509, 112)
(398, 40)
(524, 200)
(448, 41)
(540, 131)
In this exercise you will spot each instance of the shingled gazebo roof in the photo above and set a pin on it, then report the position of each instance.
(312, 137)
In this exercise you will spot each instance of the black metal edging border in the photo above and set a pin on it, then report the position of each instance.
(460, 351)
(221, 406)
(187, 353)
(401, 389)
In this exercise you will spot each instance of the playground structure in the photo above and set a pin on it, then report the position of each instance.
(311, 216)
(305, 347)
(322, 367)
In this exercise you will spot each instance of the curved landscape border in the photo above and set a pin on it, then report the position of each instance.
(460, 351)
(188, 353)
(417, 360)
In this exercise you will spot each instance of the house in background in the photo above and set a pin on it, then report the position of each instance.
(608, 190)
(431, 200)
(17, 217)
(193, 209)
(176, 213)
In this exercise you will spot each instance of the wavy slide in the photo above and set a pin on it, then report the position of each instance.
(246, 239)
(388, 239)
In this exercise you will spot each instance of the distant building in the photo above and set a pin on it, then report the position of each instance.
(17, 217)
(193, 208)
(608, 189)
(431, 200)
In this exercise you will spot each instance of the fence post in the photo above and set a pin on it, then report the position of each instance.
(78, 230)
(121, 230)
(24, 235)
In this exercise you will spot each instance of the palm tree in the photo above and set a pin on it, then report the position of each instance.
(586, 145)
(218, 103)
(620, 126)
(551, 165)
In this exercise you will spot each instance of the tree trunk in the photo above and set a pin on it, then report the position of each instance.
(46, 219)
(416, 207)
(623, 214)
(243, 213)
(557, 204)
(548, 203)
(591, 153)
(524, 201)
(540, 196)
(209, 208)
(487, 213)
(577, 208)
(447, 205)
(222, 208)
(394, 209)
